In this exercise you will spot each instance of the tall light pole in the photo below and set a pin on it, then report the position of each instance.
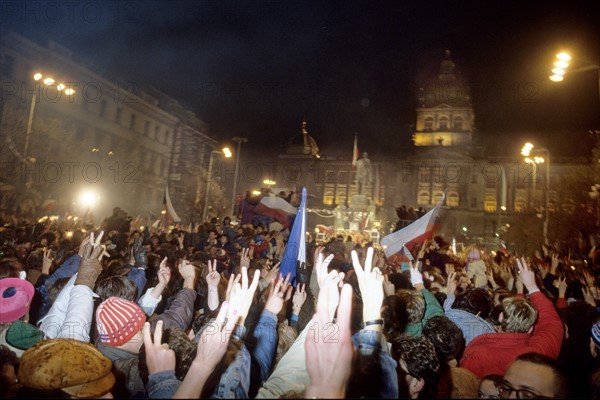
(48, 81)
(225, 152)
(561, 67)
(526, 151)
(239, 141)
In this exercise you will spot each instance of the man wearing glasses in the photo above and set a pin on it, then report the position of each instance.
(530, 376)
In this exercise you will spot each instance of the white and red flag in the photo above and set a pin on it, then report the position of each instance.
(396, 244)
(278, 208)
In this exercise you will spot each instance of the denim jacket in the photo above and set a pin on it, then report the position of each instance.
(162, 385)
(367, 342)
(66, 270)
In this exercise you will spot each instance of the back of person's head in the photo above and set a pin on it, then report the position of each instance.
(446, 337)
(414, 303)
(477, 301)
(35, 260)
(116, 286)
(416, 357)
(518, 315)
(579, 317)
(394, 315)
(10, 267)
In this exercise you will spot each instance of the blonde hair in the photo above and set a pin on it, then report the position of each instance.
(519, 315)
(414, 304)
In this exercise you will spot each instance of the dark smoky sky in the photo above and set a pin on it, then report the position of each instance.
(257, 68)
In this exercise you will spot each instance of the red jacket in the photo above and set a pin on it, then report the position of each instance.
(491, 353)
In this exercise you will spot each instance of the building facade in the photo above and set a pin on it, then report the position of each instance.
(111, 138)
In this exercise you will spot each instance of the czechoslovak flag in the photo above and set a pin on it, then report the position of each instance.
(277, 208)
(395, 244)
(295, 250)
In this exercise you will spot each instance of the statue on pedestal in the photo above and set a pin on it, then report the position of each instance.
(364, 172)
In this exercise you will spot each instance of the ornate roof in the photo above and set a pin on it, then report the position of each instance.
(303, 143)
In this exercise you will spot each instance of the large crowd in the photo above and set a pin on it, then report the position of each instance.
(120, 311)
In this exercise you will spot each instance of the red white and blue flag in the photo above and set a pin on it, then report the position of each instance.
(277, 208)
(398, 243)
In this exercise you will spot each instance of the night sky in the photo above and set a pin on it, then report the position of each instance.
(257, 68)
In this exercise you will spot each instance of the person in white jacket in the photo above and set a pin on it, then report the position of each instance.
(476, 268)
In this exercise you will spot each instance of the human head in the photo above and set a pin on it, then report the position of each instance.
(413, 303)
(446, 337)
(476, 301)
(518, 315)
(119, 321)
(487, 386)
(536, 374)
(418, 365)
(116, 286)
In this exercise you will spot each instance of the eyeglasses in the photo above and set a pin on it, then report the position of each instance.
(505, 390)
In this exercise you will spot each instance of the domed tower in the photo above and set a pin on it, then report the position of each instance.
(445, 116)
(303, 144)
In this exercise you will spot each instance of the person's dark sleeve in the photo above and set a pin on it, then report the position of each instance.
(180, 312)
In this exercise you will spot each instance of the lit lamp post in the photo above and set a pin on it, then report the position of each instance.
(239, 141)
(225, 151)
(48, 81)
(561, 66)
(526, 151)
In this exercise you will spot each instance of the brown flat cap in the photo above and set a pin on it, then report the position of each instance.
(75, 367)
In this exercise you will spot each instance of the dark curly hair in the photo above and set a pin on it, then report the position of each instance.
(446, 337)
(475, 301)
(421, 361)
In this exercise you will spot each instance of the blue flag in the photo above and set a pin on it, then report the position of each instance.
(295, 251)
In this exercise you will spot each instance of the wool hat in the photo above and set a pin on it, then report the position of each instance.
(473, 255)
(22, 335)
(75, 367)
(596, 333)
(118, 320)
(15, 298)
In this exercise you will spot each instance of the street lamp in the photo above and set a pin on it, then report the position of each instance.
(239, 141)
(48, 81)
(561, 67)
(527, 149)
(226, 152)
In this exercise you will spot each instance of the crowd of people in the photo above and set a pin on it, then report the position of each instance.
(113, 311)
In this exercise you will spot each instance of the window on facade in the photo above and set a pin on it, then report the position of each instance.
(425, 174)
(119, 115)
(569, 206)
(146, 128)
(458, 124)
(443, 123)
(156, 131)
(437, 196)
(168, 137)
(132, 120)
(423, 197)
(520, 200)
(428, 124)
(330, 176)
(452, 199)
(490, 202)
(340, 194)
(473, 202)
(328, 194)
